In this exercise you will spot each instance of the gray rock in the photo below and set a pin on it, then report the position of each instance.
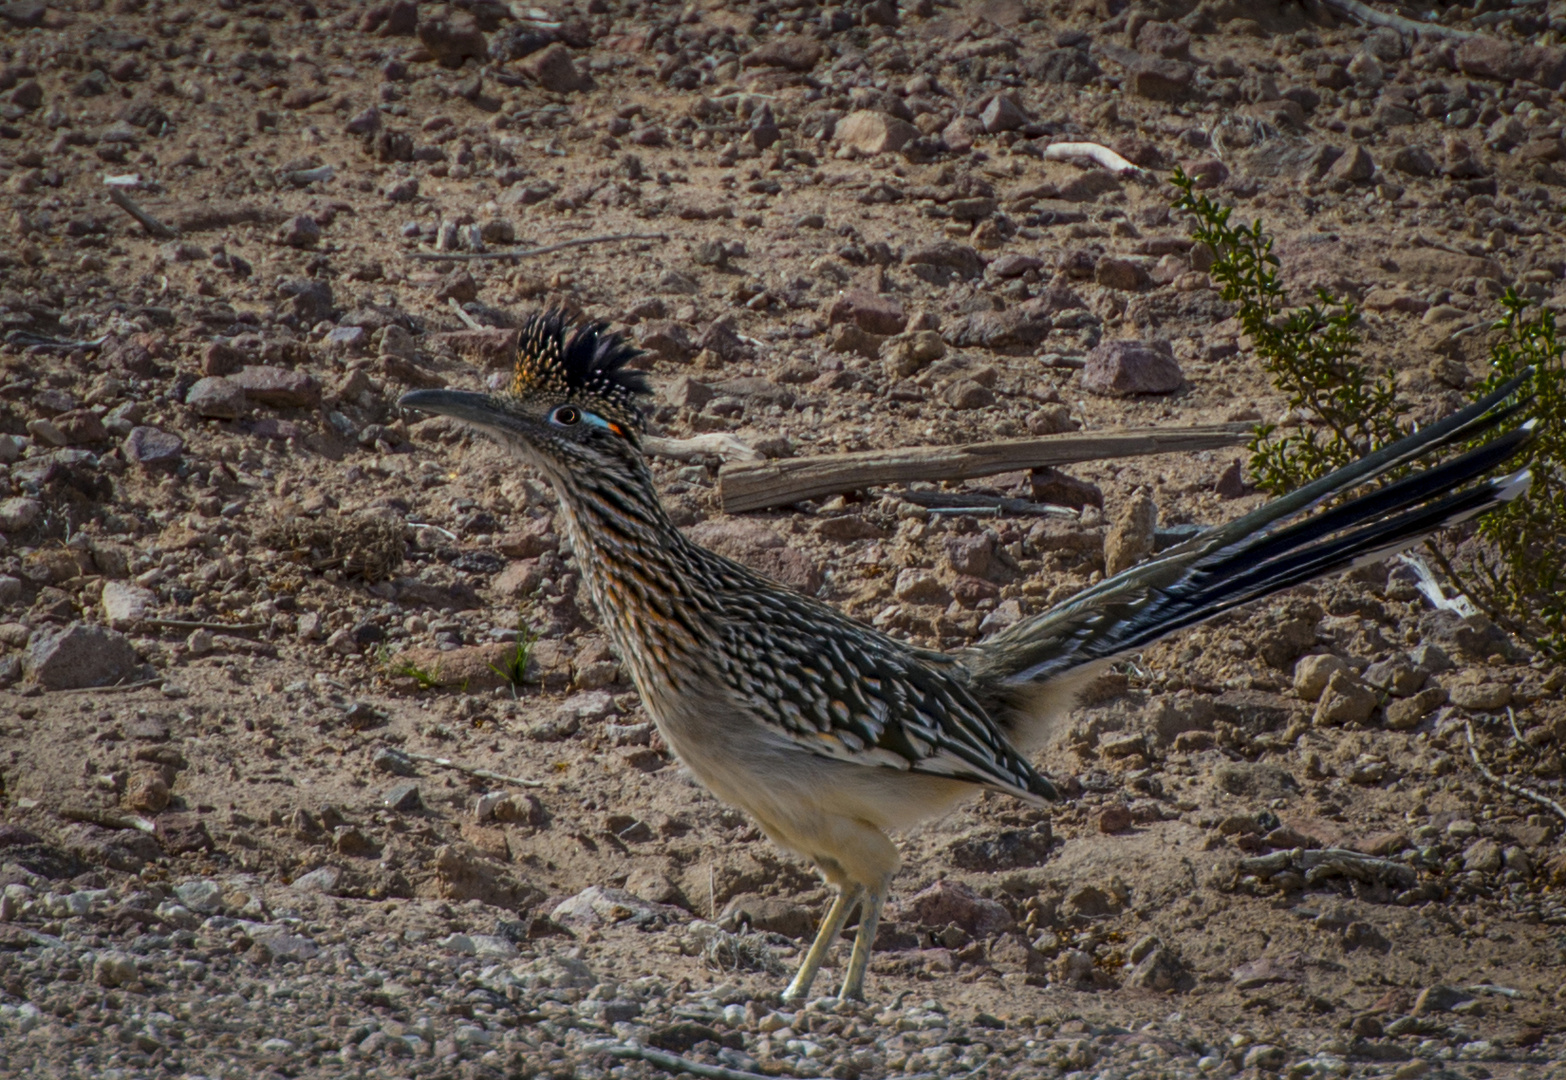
(152, 447)
(217, 398)
(393, 761)
(324, 880)
(403, 797)
(204, 896)
(19, 514)
(1354, 167)
(301, 232)
(80, 656)
(125, 604)
(1118, 368)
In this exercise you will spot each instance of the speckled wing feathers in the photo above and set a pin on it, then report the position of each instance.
(843, 691)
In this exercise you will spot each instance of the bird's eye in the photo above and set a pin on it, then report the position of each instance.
(566, 416)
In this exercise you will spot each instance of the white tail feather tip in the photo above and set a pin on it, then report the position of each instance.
(1513, 485)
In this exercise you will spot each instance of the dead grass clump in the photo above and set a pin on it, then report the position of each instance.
(353, 545)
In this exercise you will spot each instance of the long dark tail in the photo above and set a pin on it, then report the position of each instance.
(1279, 545)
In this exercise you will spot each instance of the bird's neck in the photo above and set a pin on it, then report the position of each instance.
(640, 571)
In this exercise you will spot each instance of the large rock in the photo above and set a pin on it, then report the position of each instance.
(555, 71)
(872, 132)
(1131, 538)
(945, 258)
(869, 311)
(453, 39)
(125, 604)
(80, 656)
(278, 387)
(1118, 368)
(1021, 326)
(1345, 700)
(950, 903)
(797, 53)
(217, 398)
(153, 448)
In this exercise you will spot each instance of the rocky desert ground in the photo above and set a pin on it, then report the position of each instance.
(313, 760)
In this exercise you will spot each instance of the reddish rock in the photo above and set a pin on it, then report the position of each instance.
(483, 348)
(454, 39)
(1354, 167)
(554, 70)
(797, 53)
(457, 285)
(1002, 114)
(1114, 819)
(81, 426)
(960, 133)
(1161, 80)
(1116, 273)
(1117, 368)
(949, 903)
(278, 387)
(1207, 173)
(1168, 40)
(220, 358)
(1010, 266)
(667, 340)
(872, 132)
(870, 311)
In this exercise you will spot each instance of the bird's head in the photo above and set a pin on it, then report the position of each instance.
(571, 405)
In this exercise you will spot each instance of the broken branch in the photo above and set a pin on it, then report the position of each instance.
(470, 321)
(153, 226)
(790, 480)
(715, 444)
(522, 253)
(1102, 155)
(952, 502)
(1506, 785)
(482, 774)
(1368, 15)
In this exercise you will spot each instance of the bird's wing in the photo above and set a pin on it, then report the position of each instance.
(842, 690)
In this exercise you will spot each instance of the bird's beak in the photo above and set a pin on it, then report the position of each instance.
(457, 404)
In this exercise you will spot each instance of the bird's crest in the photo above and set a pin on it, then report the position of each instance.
(581, 361)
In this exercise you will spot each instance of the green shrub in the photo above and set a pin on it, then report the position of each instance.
(1311, 353)
(1513, 564)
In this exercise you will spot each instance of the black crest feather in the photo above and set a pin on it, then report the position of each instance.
(581, 360)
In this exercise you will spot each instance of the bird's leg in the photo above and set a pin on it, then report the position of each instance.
(831, 927)
(864, 941)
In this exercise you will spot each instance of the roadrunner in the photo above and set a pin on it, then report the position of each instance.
(832, 734)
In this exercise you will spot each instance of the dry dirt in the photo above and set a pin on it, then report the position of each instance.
(241, 862)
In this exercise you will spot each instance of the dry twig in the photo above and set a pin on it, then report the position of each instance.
(1506, 785)
(118, 688)
(790, 480)
(108, 819)
(1368, 15)
(468, 320)
(522, 253)
(153, 226)
(956, 502)
(482, 774)
(676, 1063)
(200, 624)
